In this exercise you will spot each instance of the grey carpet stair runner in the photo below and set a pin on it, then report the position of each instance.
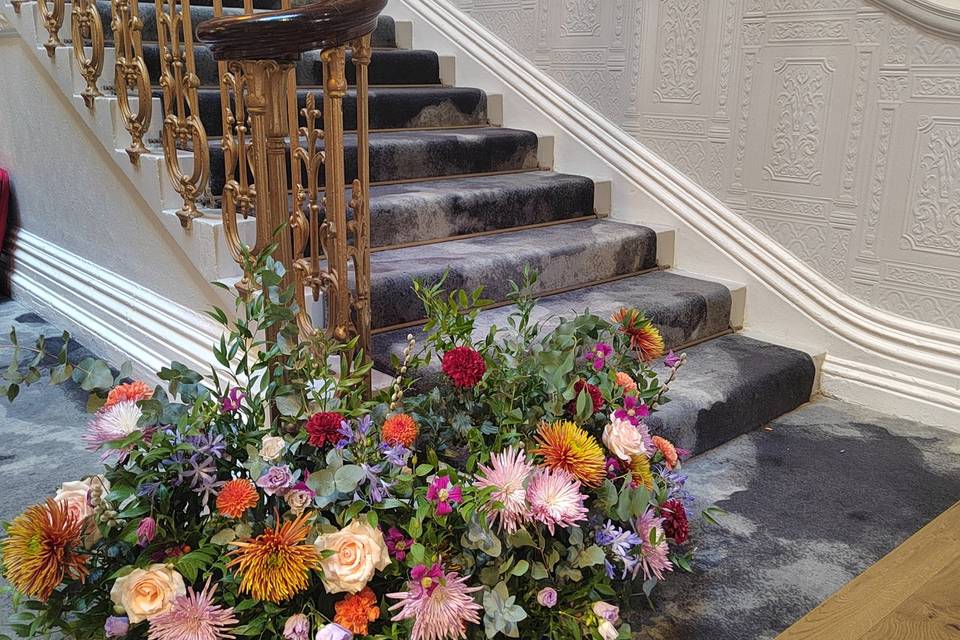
(454, 194)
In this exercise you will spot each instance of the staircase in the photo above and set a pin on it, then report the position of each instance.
(452, 191)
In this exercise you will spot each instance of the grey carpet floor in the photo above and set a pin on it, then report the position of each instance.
(830, 489)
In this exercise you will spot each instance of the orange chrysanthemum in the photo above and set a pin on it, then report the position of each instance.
(275, 565)
(355, 612)
(400, 429)
(135, 391)
(42, 549)
(566, 446)
(670, 456)
(236, 497)
(625, 382)
(645, 338)
(642, 474)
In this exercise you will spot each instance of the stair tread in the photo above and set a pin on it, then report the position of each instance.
(565, 256)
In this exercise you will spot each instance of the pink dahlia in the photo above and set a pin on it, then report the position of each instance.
(193, 617)
(441, 609)
(653, 557)
(555, 499)
(110, 424)
(508, 473)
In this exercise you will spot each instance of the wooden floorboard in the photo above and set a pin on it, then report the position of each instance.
(912, 593)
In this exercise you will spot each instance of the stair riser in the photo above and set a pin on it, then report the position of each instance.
(398, 109)
(409, 157)
(444, 210)
(564, 256)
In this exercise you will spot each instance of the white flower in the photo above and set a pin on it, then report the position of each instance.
(608, 631)
(272, 448)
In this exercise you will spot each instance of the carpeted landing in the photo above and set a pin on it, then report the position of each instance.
(812, 502)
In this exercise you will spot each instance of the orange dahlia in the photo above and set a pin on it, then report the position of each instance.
(132, 391)
(566, 446)
(625, 382)
(42, 549)
(645, 338)
(642, 474)
(236, 497)
(669, 451)
(400, 429)
(275, 566)
(355, 612)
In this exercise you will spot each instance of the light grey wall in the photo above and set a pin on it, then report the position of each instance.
(831, 125)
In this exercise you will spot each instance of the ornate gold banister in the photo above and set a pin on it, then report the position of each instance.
(52, 21)
(85, 24)
(130, 74)
(328, 239)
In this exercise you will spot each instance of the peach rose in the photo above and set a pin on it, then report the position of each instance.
(271, 448)
(73, 495)
(144, 593)
(623, 439)
(359, 552)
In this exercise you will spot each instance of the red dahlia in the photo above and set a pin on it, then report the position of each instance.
(323, 428)
(675, 523)
(464, 366)
(596, 397)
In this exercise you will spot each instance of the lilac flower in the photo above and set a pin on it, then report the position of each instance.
(395, 454)
(333, 631)
(208, 444)
(606, 611)
(276, 481)
(622, 544)
(231, 401)
(442, 494)
(379, 488)
(146, 531)
(364, 424)
(116, 626)
(633, 410)
(672, 360)
(201, 471)
(599, 354)
(297, 627)
(547, 597)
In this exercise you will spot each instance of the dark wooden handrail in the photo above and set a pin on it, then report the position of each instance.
(284, 35)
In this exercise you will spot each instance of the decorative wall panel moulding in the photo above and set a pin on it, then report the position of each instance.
(942, 16)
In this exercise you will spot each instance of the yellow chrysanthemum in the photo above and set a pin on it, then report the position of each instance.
(642, 473)
(43, 548)
(566, 446)
(645, 338)
(275, 565)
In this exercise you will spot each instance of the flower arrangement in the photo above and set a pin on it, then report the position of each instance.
(512, 491)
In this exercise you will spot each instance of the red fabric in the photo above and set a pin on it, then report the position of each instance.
(4, 204)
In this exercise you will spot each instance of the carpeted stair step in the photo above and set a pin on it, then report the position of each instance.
(257, 4)
(732, 385)
(384, 36)
(566, 256)
(415, 154)
(436, 209)
(387, 67)
(685, 310)
(390, 107)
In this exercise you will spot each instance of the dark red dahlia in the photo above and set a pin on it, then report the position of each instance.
(596, 397)
(323, 428)
(675, 523)
(464, 366)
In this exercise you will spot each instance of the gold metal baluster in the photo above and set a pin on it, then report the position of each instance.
(339, 325)
(182, 128)
(130, 73)
(360, 196)
(85, 23)
(53, 21)
(16, 5)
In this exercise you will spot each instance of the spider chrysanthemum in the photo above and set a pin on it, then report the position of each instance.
(645, 338)
(555, 499)
(441, 612)
(566, 446)
(641, 471)
(236, 497)
(110, 424)
(275, 566)
(194, 617)
(400, 429)
(507, 474)
(42, 548)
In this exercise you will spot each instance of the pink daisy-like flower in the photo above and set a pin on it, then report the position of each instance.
(193, 617)
(443, 495)
(633, 410)
(441, 612)
(555, 499)
(110, 424)
(598, 355)
(508, 473)
(654, 558)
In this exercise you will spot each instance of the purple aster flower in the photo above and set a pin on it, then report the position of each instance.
(599, 354)
(622, 543)
(208, 444)
(231, 401)
(276, 481)
(633, 410)
(364, 424)
(442, 494)
(395, 454)
(201, 471)
(671, 360)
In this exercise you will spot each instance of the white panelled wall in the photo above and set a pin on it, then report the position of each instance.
(831, 125)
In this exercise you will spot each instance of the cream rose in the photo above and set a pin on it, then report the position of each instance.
(359, 551)
(73, 495)
(272, 448)
(144, 593)
(623, 439)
